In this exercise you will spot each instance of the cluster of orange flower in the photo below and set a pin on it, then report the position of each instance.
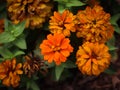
(93, 25)
(35, 12)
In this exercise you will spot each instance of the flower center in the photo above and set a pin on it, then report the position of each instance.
(94, 21)
(94, 56)
(55, 48)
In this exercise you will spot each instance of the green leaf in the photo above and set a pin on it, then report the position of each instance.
(6, 37)
(6, 24)
(74, 3)
(6, 53)
(61, 7)
(114, 19)
(34, 86)
(69, 64)
(11, 31)
(114, 55)
(15, 30)
(109, 71)
(111, 44)
(18, 52)
(117, 29)
(20, 42)
(19, 28)
(58, 71)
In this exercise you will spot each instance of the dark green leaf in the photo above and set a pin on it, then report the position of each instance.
(117, 29)
(20, 42)
(69, 64)
(58, 71)
(6, 37)
(114, 19)
(109, 71)
(111, 44)
(7, 54)
(34, 86)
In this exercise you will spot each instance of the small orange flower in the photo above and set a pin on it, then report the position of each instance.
(94, 24)
(56, 48)
(62, 23)
(92, 58)
(9, 72)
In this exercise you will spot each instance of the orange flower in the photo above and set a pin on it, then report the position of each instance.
(56, 48)
(94, 25)
(35, 12)
(9, 72)
(62, 23)
(92, 58)
(1, 25)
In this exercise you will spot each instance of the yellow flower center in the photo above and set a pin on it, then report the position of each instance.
(55, 48)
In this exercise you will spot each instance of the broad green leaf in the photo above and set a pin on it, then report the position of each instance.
(6, 37)
(58, 71)
(20, 42)
(18, 29)
(15, 30)
(74, 3)
(69, 64)
(6, 53)
(114, 19)
(117, 28)
(18, 52)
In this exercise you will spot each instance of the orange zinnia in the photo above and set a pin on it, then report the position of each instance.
(9, 72)
(56, 48)
(94, 25)
(62, 23)
(93, 58)
(35, 12)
